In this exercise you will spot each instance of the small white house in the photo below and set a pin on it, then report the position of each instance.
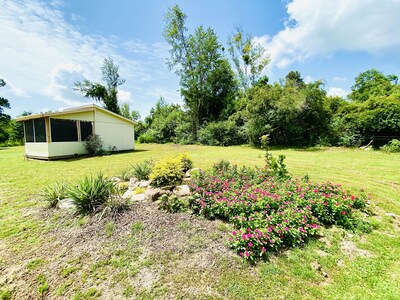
(62, 134)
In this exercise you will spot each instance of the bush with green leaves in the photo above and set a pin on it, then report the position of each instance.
(187, 162)
(52, 194)
(93, 145)
(89, 194)
(173, 203)
(141, 171)
(167, 172)
(392, 147)
(223, 133)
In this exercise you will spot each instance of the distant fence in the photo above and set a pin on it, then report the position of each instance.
(379, 141)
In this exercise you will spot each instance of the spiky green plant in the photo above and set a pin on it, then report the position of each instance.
(52, 194)
(141, 171)
(90, 193)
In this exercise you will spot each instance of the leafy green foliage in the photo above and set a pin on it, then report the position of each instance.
(223, 133)
(207, 81)
(167, 172)
(162, 122)
(126, 112)
(372, 83)
(52, 194)
(4, 118)
(105, 94)
(249, 58)
(93, 145)
(142, 171)
(186, 162)
(392, 147)
(173, 204)
(91, 192)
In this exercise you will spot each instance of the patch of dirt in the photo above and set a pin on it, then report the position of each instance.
(70, 251)
(351, 250)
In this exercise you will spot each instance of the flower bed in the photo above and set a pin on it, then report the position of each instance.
(269, 214)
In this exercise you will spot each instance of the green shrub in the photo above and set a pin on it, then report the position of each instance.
(173, 204)
(5, 294)
(167, 172)
(52, 194)
(146, 138)
(90, 193)
(224, 133)
(392, 147)
(93, 145)
(141, 171)
(123, 186)
(186, 161)
(125, 174)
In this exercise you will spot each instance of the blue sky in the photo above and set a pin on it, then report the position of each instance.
(47, 45)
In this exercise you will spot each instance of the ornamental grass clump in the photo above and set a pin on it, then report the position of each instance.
(269, 213)
(142, 171)
(90, 193)
(52, 194)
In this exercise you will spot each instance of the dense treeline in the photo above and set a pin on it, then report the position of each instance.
(226, 107)
(228, 101)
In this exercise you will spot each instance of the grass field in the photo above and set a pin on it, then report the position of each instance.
(58, 255)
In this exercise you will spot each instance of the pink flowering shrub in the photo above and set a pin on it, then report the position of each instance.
(268, 213)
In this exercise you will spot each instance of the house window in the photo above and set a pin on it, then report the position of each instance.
(29, 133)
(35, 131)
(63, 130)
(40, 130)
(86, 130)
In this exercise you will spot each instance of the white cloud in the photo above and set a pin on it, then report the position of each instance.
(324, 27)
(308, 79)
(124, 96)
(338, 78)
(63, 77)
(17, 91)
(336, 91)
(42, 55)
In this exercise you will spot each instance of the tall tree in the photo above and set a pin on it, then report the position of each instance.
(4, 118)
(372, 83)
(206, 79)
(105, 94)
(126, 112)
(249, 58)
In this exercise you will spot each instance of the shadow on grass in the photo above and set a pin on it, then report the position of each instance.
(83, 156)
(283, 148)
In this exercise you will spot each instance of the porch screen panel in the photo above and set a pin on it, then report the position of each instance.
(63, 130)
(29, 134)
(86, 130)
(40, 130)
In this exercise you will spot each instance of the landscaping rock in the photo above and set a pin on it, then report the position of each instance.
(391, 215)
(133, 183)
(138, 197)
(66, 203)
(152, 194)
(128, 194)
(144, 183)
(182, 190)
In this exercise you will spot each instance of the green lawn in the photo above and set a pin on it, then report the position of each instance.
(38, 260)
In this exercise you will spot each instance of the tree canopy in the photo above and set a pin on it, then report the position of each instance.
(207, 81)
(104, 94)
